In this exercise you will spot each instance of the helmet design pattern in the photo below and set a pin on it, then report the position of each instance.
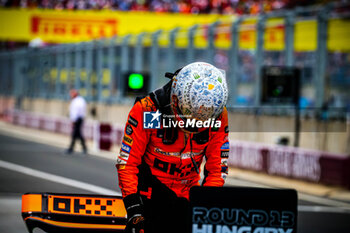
(200, 90)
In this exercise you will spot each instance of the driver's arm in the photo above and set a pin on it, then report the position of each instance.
(133, 147)
(216, 170)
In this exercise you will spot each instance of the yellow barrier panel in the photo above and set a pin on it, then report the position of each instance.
(339, 35)
(181, 40)
(305, 36)
(53, 73)
(201, 37)
(164, 39)
(274, 36)
(83, 75)
(223, 36)
(63, 76)
(105, 93)
(72, 74)
(106, 76)
(247, 34)
(83, 92)
(93, 77)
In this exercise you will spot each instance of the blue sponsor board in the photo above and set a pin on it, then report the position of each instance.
(225, 146)
(126, 148)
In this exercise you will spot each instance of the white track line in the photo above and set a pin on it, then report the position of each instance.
(323, 209)
(57, 179)
(324, 201)
(301, 196)
(99, 190)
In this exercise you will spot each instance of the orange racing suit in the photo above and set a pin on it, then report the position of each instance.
(167, 151)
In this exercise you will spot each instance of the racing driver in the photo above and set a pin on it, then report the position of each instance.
(167, 135)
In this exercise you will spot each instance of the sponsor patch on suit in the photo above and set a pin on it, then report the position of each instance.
(128, 140)
(226, 129)
(124, 155)
(122, 158)
(126, 148)
(133, 121)
(129, 130)
(224, 154)
(225, 146)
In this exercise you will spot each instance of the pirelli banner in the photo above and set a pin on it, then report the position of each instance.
(53, 26)
(73, 212)
(75, 26)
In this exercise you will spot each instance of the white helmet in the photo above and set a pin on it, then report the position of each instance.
(199, 91)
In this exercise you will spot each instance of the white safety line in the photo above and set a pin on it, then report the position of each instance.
(324, 201)
(337, 207)
(322, 209)
(301, 196)
(57, 179)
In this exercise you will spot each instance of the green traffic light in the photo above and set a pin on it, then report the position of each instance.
(277, 91)
(135, 81)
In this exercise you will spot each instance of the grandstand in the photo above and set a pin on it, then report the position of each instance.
(181, 6)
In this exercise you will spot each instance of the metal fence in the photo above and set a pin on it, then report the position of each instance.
(96, 68)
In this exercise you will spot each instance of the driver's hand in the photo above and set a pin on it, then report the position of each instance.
(135, 225)
(134, 208)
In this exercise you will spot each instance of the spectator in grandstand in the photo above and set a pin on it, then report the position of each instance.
(77, 112)
(182, 6)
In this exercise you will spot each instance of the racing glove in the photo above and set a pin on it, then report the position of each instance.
(134, 208)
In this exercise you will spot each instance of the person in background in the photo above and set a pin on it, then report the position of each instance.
(77, 112)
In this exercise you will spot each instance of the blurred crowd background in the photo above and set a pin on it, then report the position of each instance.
(180, 6)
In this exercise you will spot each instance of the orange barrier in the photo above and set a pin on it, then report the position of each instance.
(73, 212)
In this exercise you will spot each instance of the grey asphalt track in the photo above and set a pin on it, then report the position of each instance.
(313, 217)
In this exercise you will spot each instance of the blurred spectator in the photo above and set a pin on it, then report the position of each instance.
(77, 112)
(36, 43)
(182, 6)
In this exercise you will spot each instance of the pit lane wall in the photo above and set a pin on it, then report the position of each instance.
(333, 137)
(309, 165)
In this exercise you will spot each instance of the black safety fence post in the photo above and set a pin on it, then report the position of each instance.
(171, 56)
(260, 27)
(190, 48)
(211, 40)
(139, 55)
(154, 60)
(111, 60)
(124, 62)
(99, 67)
(321, 55)
(88, 69)
(232, 79)
(289, 38)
